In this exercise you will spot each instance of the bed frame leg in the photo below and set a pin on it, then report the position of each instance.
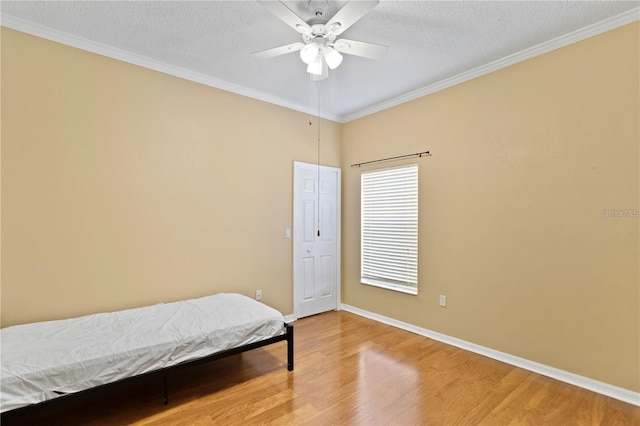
(289, 347)
(166, 389)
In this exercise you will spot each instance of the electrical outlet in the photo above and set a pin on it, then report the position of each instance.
(258, 294)
(443, 300)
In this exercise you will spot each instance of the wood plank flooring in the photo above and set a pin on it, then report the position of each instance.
(349, 371)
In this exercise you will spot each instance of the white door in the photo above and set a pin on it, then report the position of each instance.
(316, 239)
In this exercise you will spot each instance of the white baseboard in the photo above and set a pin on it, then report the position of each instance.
(289, 318)
(564, 376)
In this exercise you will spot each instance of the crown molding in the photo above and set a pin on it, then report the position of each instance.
(542, 48)
(612, 391)
(125, 56)
(146, 62)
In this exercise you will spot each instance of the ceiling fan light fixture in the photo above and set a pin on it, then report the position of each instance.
(320, 50)
(309, 53)
(323, 74)
(315, 67)
(332, 56)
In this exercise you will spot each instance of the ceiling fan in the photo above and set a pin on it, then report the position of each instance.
(321, 49)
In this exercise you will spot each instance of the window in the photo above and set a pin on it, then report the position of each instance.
(390, 228)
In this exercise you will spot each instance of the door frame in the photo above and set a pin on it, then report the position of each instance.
(319, 168)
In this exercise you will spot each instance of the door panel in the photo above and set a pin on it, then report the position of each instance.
(316, 245)
(309, 278)
(309, 221)
(325, 275)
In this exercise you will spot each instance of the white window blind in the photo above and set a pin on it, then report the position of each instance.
(390, 228)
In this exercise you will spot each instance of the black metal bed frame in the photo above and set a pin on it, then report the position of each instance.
(287, 336)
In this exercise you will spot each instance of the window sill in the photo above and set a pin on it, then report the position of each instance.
(387, 286)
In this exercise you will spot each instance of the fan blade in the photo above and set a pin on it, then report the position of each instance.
(348, 15)
(277, 51)
(282, 12)
(359, 48)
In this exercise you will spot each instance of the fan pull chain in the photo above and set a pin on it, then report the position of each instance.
(318, 87)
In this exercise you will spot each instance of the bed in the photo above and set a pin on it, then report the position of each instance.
(46, 360)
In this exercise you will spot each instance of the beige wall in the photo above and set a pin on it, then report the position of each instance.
(123, 186)
(511, 231)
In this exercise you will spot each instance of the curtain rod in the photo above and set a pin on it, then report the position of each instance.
(417, 154)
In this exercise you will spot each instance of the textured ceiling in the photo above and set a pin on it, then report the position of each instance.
(431, 43)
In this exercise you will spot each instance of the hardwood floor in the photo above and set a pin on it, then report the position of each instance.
(349, 371)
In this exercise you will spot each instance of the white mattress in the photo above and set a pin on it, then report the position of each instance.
(42, 360)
